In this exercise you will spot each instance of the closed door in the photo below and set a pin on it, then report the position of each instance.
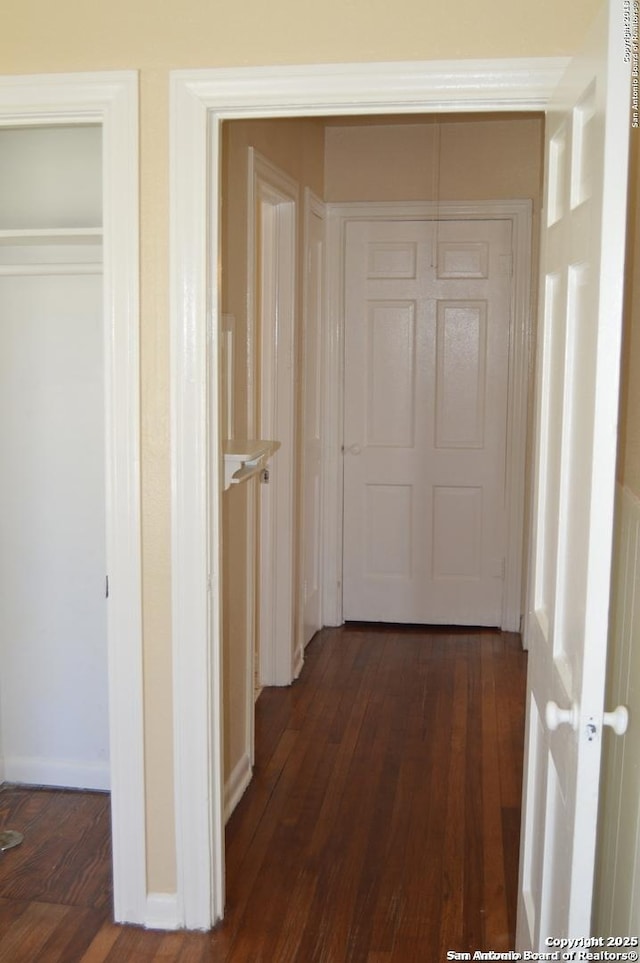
(426, 378)
(53, 685)
(578, 375)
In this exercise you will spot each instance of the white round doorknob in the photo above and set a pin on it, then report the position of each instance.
(555, 716)
(618, 720)
(355, 449)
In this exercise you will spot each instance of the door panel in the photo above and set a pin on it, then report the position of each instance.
(567, 622)
(53, 685)
(426, 379)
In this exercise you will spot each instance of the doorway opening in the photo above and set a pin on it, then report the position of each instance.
(324, 157)
(197, 99)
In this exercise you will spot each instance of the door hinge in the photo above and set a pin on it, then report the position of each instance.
(106, 587)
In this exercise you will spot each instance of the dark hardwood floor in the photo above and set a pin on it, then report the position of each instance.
(381, 825)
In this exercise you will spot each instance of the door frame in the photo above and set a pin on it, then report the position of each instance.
(111, 99)
(519, 214)
(313, 207)
(271, 412)
(200, 101)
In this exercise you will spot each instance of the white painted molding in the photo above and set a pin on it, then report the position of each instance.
(236, 784)
(519, 214)
(196, 528)
(111, 99)
(401, 87)
(57, 772)
(313, 207)
(162, 912)
(279, 195)
(200, 101)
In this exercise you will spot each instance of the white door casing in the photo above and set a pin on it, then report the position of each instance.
(111, 100)
(272, 234)
(200, 102)
(582, 276)
(312, 383)
(427, 325)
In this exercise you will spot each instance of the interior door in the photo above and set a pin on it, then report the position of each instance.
(312, 441)
(578, 361)
(275, 206)
(52, 532)
(426, 380)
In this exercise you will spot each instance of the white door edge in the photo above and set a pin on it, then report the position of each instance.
(519, 214)
(200, 101)
(275, 410)
(111, 99)
(313, 207)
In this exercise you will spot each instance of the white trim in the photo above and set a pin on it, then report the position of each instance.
(373, 88)
(111, 99)
(57, 772)
(519, 214)
(275, 407)
(162, 912)
(236, 784)
(200, 101)
(196, 530)
(48, 270)
(313, 207)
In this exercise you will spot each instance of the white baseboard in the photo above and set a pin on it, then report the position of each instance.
(66, 773)
(236, 785)
(162, 912)
(3, 778)
(298, 661)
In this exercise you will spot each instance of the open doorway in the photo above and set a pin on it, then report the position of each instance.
(199, 107)
(366, 171)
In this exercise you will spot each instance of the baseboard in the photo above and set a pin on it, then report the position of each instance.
(298, 661)
(65, 773)
(236, 785)
(162, 912)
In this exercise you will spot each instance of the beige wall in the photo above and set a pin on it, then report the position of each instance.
(461, 158)
(154, 36)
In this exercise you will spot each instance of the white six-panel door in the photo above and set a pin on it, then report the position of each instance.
(578, 362)
(426, 378)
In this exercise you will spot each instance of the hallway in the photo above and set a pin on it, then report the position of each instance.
(382, 823)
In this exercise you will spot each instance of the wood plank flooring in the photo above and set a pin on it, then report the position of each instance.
(381, 826)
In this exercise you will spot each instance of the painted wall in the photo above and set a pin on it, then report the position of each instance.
(154, 36)
(469, 157)
(617, 893)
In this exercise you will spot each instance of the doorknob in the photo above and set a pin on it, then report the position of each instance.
(555, 716)
(355, 449)
(618, 720)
